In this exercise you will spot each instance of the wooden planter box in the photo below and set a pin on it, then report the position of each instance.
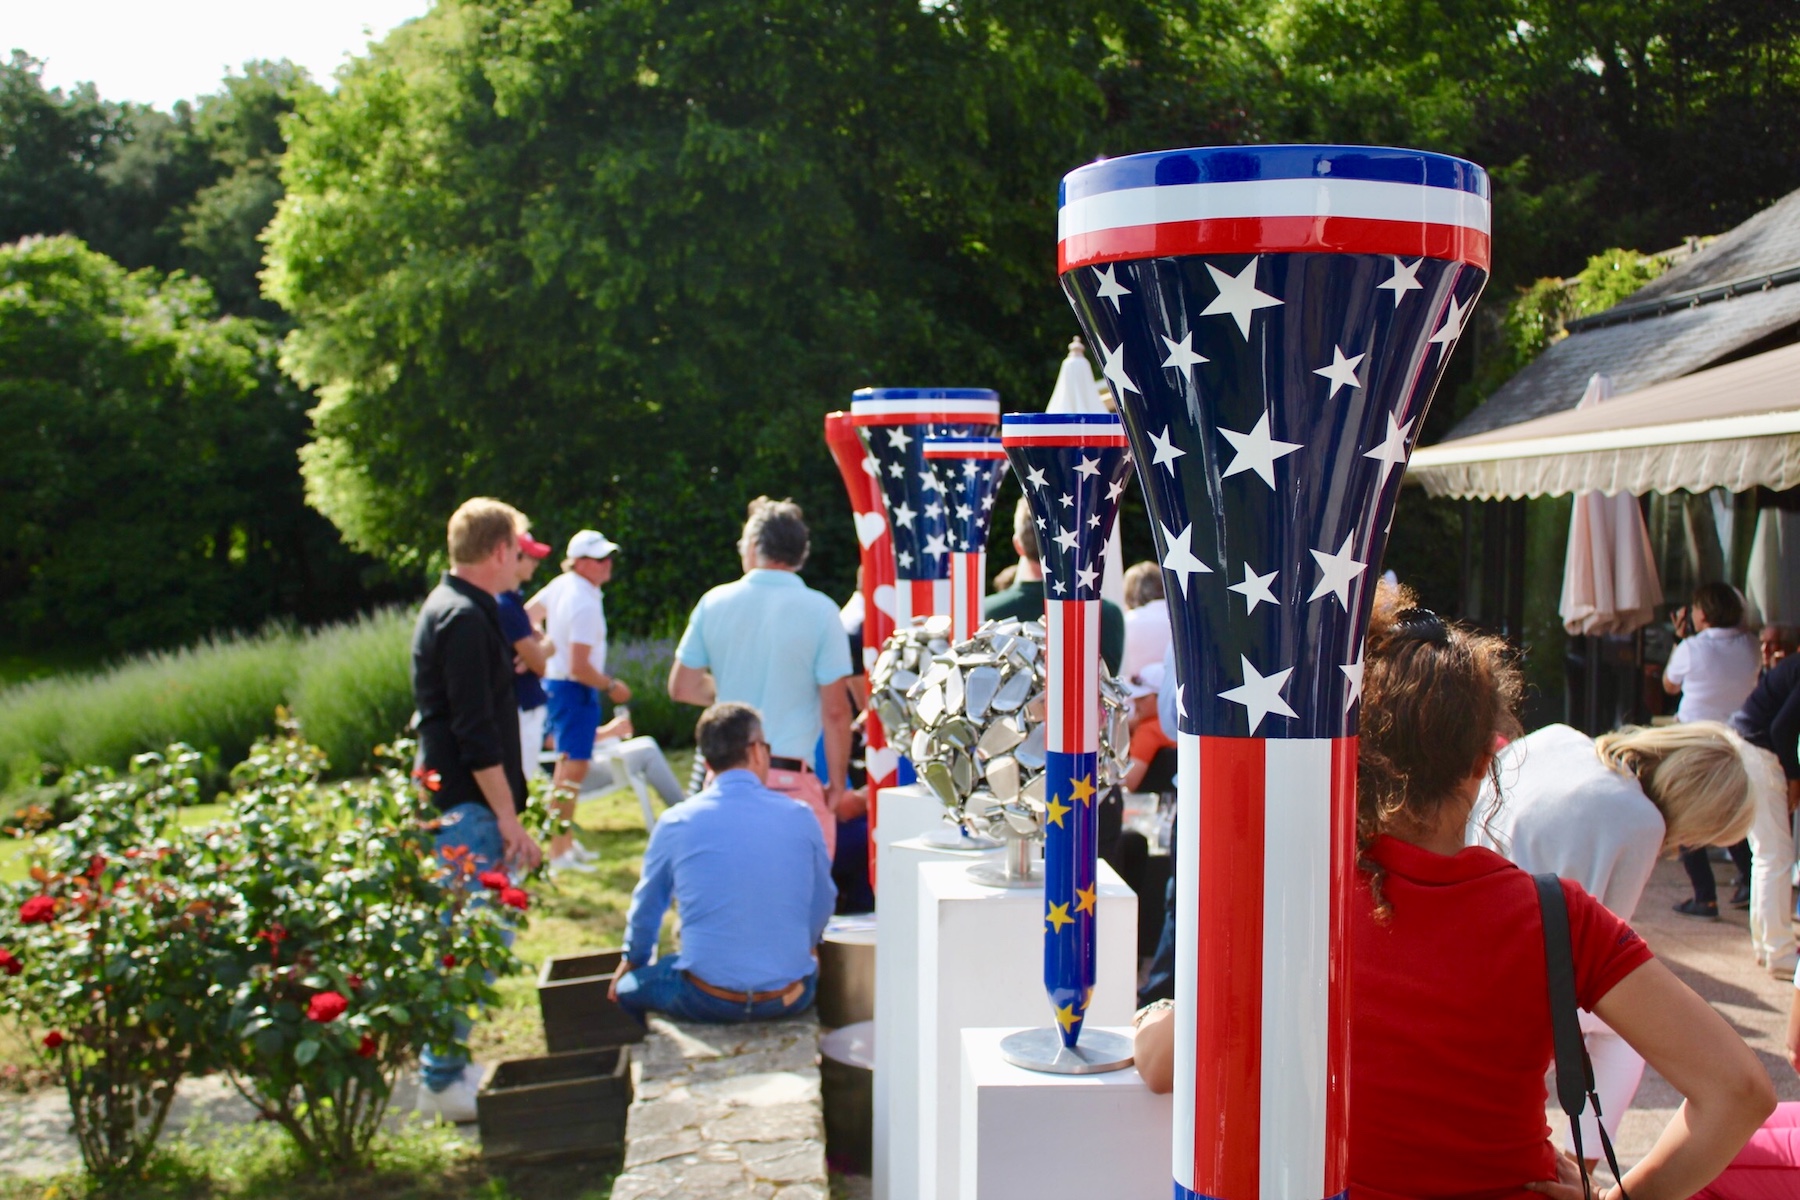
(555, 1105)
(572, 998)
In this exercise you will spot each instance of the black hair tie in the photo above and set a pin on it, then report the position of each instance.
(1421, 625)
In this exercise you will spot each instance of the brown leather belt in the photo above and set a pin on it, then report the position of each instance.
(787, 764)
(786, 995)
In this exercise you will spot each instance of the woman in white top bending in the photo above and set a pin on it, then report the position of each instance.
(1601, 811)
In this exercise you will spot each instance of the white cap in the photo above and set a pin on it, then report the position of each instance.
(591, 543)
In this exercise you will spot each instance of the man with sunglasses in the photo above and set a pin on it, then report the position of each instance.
(748, 869)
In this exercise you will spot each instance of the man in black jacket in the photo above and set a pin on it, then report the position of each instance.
(1770, 721)
(469, 759)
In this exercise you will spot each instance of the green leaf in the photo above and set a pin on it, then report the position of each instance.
(306, 1051)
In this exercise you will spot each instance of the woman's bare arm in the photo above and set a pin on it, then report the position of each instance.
(1154, 1050)
(1727, 1094)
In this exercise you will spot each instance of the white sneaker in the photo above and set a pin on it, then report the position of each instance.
(1783, 966)
(456, 1103)
(567, 861)
(582, 853)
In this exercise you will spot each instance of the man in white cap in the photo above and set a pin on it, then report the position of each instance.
(574, 616)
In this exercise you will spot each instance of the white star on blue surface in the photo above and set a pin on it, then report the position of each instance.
(1260, 694)
(1237, 296)
(1337, 572)
(1179, 557)
(1110, 288)
(1255, 589)
(1256, 450)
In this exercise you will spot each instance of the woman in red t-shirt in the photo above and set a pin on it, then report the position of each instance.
(1450, 1017)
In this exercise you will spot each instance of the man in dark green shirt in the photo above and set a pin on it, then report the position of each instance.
(1025, 598)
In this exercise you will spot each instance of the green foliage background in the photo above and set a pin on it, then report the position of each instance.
(611, 259)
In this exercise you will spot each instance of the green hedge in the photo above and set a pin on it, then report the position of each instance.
(348, 684)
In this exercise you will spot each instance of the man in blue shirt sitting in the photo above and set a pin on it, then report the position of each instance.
(748, 868)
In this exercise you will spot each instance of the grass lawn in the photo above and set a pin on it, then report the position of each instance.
(576, 911)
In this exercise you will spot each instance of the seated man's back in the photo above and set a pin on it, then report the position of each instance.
(746, 865)
(749, 869)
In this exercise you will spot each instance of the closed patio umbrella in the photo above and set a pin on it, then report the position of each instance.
(1610, 582)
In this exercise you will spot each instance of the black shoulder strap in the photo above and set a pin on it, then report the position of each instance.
(1574, 1073)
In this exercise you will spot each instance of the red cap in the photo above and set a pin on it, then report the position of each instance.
(533, 547)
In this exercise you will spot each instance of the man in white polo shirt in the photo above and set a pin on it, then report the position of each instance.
(773, 643)
(574, 615)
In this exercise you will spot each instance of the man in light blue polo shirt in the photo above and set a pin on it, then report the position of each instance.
(771, 642)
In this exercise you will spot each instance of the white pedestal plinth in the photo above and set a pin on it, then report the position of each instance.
(905, 812)
(1031, 1136)
(981, 964)
(896, 1101)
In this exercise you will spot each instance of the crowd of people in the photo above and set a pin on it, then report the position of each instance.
(1458, 809)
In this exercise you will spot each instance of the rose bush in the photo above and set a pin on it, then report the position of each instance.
(111, 950)
(355, 947)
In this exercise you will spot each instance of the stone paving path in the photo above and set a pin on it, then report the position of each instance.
(35, 1137)
(724, 1112)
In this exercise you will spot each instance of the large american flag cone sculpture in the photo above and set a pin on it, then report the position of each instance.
(1072, 467)
(1273, 321)
(894, 424)
(968, 472)
(876, 548)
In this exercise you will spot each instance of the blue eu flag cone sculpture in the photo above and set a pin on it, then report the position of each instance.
(1273, 321)
(1072, 467)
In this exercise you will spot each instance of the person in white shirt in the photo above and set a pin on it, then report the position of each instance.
(1147, 630)
(1600, 812)
(574, 616)
(1713, 669)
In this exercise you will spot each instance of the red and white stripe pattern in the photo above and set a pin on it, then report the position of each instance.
(1261, 989)
(1254, 216)
(968, 588)
(1072, 691)
(928, 411)
(916, 598)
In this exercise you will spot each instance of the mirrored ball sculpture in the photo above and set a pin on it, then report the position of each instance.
(1272, 321)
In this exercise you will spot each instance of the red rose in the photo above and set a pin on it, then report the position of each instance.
(366, 1047)
(326, 1007)
(9, 964)
(96, 865)
(431, 779)
(449, 960)
(53, 1039)
(496, 880)
(353, 982)
(37, 911)
(274, 934)
(512, 897)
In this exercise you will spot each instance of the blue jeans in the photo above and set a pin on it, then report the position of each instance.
(661, 987)
(475, 827)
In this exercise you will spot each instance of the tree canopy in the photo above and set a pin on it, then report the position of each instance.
(147, 481)
(613, 260)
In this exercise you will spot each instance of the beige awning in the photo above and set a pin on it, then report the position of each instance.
(1735, 426)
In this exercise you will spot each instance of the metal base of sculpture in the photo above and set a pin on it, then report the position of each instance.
(1098, 1052)
(1017, 868)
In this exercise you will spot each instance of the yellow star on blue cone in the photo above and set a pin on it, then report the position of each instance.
(1082, 789)
(1059, 916)
(1084, 899)
(1066, 1016)
(1056, 811)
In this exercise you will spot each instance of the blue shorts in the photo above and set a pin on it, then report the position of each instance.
(574, 716)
